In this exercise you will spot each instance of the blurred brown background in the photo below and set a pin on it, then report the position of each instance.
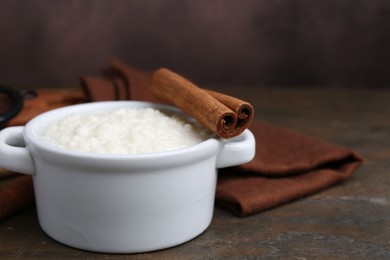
(217, 42)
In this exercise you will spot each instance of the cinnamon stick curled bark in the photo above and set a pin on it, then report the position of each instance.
(243, 109)
(222, 114)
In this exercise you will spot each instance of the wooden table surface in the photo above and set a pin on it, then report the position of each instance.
(347, 221)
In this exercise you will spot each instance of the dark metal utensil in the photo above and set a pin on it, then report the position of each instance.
(11, 102)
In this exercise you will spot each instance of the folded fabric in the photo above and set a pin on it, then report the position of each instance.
(16, 193)
(119, 82)
(287, 165)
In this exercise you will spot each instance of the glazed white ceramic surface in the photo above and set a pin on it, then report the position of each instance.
(120, 203)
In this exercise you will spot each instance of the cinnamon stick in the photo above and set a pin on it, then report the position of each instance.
(224, 115)
(243, 109)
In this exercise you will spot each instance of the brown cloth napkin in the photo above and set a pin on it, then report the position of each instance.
(287, 165)
(16, 192)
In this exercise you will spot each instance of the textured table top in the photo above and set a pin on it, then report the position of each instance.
(347, 221)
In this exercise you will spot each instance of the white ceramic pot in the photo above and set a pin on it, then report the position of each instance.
(120, 203)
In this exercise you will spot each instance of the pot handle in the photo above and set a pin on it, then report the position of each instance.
(13, 154)
(237, 150)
